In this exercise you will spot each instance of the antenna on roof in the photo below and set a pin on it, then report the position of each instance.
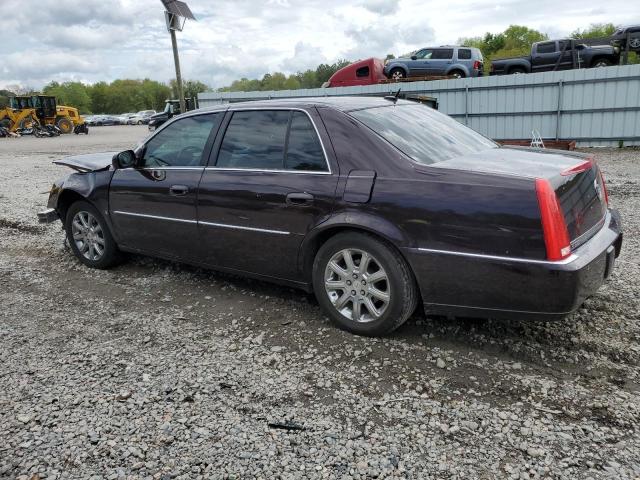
(393, 98)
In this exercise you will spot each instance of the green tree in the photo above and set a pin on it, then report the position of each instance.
(5, 95)
(191, 88)
(71, 94)
(595, 30)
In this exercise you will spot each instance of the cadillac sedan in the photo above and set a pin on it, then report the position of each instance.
(374, 204)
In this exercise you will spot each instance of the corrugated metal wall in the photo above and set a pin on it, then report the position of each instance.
(596, 107)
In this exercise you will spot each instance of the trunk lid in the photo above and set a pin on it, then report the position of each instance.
(575, 178)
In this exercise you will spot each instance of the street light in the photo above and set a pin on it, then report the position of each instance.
(176, 14)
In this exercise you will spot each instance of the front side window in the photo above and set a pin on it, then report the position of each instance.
(271, 140)
(182, 143)
(424, 54)
(423, 134)
(362, 72)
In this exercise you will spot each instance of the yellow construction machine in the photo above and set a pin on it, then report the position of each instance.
(43, 110)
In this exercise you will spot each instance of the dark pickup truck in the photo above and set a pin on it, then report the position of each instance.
(558, 55)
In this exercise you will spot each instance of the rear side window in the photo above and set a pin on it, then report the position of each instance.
(548, 47)
(464, 54)
(271, 140)
(362, 72)
(304, 151)
(442, 54)
(255, 140)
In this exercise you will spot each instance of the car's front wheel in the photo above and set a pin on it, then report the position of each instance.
(364, 284)
(89, 236)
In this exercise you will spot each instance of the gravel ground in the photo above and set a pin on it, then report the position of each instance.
(158, 370)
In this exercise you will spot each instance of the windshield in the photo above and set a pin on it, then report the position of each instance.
(422, 133)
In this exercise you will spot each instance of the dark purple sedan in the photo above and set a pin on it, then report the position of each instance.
(373, 204)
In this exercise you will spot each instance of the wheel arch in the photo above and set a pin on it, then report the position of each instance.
(401, 66)
(373, 226)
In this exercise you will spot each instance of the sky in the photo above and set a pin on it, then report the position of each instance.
(94, 40)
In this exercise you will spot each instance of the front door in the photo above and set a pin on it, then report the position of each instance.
(545, 57)
(153, 206)
(270, 183)
(420, 66)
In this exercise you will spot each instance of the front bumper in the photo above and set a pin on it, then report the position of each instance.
(48, 216)
(489, 286)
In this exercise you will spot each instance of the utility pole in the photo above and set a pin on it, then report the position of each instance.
(175, 15)
(176, 60)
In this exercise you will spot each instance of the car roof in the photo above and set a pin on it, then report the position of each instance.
(345, 104)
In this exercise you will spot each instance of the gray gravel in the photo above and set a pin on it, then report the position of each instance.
(157, 370)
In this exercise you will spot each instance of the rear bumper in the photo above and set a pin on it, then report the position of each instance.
(489, 286)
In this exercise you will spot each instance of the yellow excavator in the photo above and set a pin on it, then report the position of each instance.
(25, 111)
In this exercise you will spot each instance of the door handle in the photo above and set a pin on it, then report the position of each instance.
(178, 190)
(299, 199)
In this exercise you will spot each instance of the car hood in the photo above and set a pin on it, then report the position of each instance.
(515, 161)
(91, 162)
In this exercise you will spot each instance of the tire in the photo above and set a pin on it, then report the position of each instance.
(397, 74)
(64, 124)
(634, 43)
(395, 280)
(457, 74)
(601, 62)
(517, 71)
(84, 219)
(139, 122)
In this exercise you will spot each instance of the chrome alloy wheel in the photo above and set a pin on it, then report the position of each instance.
(88, 236)
(357, 285)
(397, 75)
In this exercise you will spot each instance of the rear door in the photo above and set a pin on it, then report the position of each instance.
(269, 183)
(153, 206)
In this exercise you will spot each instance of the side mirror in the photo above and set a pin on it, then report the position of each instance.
(126, 159)
(414, 57)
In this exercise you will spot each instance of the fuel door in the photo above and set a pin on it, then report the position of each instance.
(359, 186)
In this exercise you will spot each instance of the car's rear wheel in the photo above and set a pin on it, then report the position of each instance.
(397, 74)
(89, 236)
(517, 71)
(364, 284)
(457, 74)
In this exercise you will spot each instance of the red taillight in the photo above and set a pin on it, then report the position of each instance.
(556, 235)
(604, 189)
(476, 65)
(580, 167)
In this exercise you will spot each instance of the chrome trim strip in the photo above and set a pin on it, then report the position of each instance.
(565, 261)
(171, 168)
(260, 170)
(238, 227)
(209, 224)
(288, 109)
(156, 217)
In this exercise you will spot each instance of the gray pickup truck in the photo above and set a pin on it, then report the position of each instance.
(563, 54)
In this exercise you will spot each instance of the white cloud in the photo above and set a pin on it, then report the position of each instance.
(93, 40)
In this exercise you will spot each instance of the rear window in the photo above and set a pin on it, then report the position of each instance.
(548, 47)
(464, 54)
(422, 133)
(442, 54)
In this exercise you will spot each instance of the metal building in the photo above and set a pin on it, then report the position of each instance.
(595, 107)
